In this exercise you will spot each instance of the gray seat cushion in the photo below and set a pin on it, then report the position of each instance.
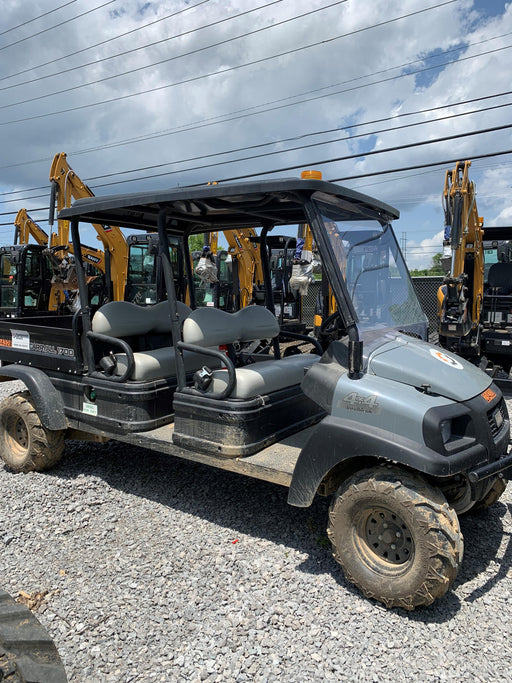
(264, 377)
(213, 327)
(158, 363)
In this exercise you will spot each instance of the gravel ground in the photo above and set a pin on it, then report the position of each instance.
(158, 569)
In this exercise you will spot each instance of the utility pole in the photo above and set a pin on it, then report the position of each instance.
(403, 245)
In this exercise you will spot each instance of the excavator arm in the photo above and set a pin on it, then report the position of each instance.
(25, 228)
(461, 295)
(245, 249)
(66, 186)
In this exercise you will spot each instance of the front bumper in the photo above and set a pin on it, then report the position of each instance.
(502, 467)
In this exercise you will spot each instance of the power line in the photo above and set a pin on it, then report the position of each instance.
(36, 196)
(284, 140)
(337, 159)
(234, 68)
(332, 180)
(195, 127)
(61, 23)
(205, 123)
(158, 42)
(12, 213)
(421, 143)
(281, 151)
(243, 113)
(103, 42)
(218, 44)
(246, 158)
(40, 16)
(416, 166)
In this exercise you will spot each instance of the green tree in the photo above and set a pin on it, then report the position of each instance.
(435, 268)
(196, 242)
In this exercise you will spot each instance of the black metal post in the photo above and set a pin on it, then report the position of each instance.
(171, 296)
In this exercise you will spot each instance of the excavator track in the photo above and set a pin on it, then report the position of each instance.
(27, 653)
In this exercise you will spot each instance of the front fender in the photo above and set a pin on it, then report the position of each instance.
(47, 400)
(337, 440)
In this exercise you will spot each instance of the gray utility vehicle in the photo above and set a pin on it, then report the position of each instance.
(402, 434)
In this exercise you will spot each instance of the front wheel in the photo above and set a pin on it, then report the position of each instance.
(25, 444)
(395, 536)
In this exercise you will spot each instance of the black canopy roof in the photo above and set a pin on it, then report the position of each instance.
(223, 206)
(498, 233)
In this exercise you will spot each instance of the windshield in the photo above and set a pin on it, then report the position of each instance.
(375, 274)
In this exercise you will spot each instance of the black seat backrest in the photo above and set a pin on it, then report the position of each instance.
(500, 278)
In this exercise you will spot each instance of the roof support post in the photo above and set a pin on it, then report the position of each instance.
(171, 295)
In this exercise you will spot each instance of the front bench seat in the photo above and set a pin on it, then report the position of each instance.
(209, 327)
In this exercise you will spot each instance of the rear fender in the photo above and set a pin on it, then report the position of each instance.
(47, 400)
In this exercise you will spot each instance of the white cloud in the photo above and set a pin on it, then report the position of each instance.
(362, 66)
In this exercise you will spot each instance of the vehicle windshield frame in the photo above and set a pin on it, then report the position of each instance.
(402, 315)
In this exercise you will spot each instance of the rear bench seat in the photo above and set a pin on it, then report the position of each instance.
(210, 327)
(147, 329)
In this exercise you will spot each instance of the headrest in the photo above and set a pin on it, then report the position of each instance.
(212, 327)
(124, 319)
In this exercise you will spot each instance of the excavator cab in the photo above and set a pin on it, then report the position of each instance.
(26, 280)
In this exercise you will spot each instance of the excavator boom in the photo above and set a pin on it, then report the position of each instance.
(26, 227)
(67, 186)
(461, 295)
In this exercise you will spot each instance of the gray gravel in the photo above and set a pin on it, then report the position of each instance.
(164, 570)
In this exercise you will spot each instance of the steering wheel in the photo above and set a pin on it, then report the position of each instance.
(332, 328)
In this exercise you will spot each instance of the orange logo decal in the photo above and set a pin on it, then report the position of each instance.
(489, 395)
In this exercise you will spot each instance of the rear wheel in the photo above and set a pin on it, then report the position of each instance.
(25, 444)
(395, 537)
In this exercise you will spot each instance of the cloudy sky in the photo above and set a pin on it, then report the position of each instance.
(171, 92)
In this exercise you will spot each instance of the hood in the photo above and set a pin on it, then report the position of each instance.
(415, 362)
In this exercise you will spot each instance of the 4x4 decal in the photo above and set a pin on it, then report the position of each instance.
(362, 404)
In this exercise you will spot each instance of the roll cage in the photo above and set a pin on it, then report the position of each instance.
(182, 212)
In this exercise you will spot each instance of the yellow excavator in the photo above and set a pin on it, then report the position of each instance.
(244, 249)
(50, 260)
(26, 227)
(66, 186)
(460, 297)
(39, 277)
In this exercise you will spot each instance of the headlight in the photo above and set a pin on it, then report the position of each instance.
(446, 430)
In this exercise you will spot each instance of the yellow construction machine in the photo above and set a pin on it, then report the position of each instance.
(460, 297)
(66, 186)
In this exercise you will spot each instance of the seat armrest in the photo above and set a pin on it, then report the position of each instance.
(231, 383)
(95, 336)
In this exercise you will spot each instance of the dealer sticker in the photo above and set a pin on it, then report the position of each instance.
(90, 408)
(20, 339)
(445, 358)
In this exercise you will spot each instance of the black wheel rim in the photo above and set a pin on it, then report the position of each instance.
(387, 536)
(16, 433)
(20, 433)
